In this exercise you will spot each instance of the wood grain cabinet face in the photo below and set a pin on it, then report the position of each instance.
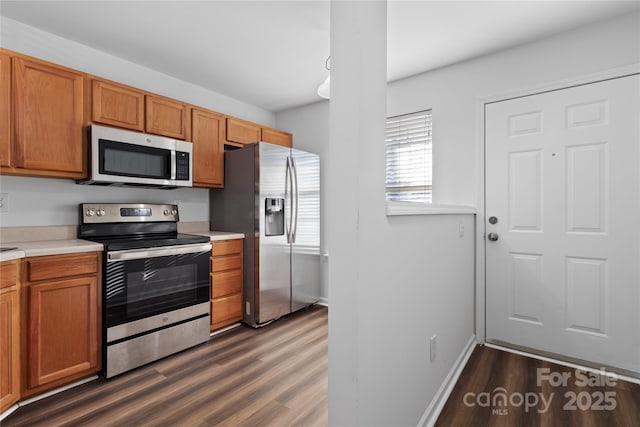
(9, 335)
(242, 132)
(116, 105)
(226, 283)
(5, 110)
(49, 118)
(61, 336)
(278, 137)
(207, 136)
(166, 117)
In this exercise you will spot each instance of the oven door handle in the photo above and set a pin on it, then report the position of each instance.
(157, 252)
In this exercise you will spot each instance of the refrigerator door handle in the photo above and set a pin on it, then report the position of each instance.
(295, 199)
(288, 184)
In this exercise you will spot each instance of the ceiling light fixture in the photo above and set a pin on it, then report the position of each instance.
(325, 88)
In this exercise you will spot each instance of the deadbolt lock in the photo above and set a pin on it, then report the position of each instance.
(493, 220)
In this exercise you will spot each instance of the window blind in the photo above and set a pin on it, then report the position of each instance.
(409, 159)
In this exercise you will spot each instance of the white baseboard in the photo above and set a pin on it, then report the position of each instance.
(618, 375)
(57, 390)
(437, 403)
(323, 301)
(8, 412)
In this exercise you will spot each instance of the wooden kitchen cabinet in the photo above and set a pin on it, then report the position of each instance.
(166, 117)
(9, 334)
(207, 136)
(226, 283)
(242, 132)
(5, 110)
(49, 118)
(61, 336)
(117, 105)
(278, 137)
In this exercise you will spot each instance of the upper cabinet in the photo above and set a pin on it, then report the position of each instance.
(275, 136)
(166, 117)
(45, 110)
(207, 135)
(49, 116)
(242, 132)
(117, 105)
(5, 110)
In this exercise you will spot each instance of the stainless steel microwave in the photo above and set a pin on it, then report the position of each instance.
(122, 157)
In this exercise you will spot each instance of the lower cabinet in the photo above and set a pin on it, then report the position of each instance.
(61, 320)
(9, 334)
(226, 283)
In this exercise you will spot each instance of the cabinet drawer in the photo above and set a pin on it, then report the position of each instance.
(226, 309)
(227, 247)
(226, 262)
(57, 266)
(8, 274)
(226, 283)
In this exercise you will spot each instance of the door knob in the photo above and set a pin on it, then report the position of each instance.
(493, 236)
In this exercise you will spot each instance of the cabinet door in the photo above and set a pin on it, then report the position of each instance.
(117, 105)
(166, 117)
(226, 310)
(9, 349)
(279, 137)
(62, 329)
(207, 135)
(49, 118)
(242, 131)
(5, 110)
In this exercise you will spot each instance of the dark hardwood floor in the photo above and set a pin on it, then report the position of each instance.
(556, 395)
(273, 376)
(277, 376)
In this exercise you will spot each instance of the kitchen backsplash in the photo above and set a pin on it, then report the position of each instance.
(53, 202)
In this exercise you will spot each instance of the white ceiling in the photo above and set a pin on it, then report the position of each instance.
(272, 53)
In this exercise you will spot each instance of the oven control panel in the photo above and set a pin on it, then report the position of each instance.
(128, 212)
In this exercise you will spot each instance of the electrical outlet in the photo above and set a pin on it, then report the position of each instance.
(432, 348)
(4, 202)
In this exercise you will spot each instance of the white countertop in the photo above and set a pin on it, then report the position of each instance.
(220, 235)
(69, 246)
(48, 247)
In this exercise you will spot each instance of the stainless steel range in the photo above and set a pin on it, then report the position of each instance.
(156, 282)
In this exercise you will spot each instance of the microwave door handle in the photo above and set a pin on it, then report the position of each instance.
(173, 165)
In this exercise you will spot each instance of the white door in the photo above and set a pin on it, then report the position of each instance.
(563, 183)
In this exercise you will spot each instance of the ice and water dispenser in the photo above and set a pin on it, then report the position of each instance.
(274, 217)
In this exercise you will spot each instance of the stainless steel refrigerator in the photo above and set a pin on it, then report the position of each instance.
(272, 195)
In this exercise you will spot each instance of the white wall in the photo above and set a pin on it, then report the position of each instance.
(389, 316)
(43, 201)
(48, 202)
(454, 93)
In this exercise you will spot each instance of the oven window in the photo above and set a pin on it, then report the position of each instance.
(160, 286)
(139, 288)
(117, 158)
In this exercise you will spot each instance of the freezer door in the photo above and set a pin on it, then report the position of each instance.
(305, 248)
(274, 201)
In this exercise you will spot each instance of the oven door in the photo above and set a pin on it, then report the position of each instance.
(141, 283)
